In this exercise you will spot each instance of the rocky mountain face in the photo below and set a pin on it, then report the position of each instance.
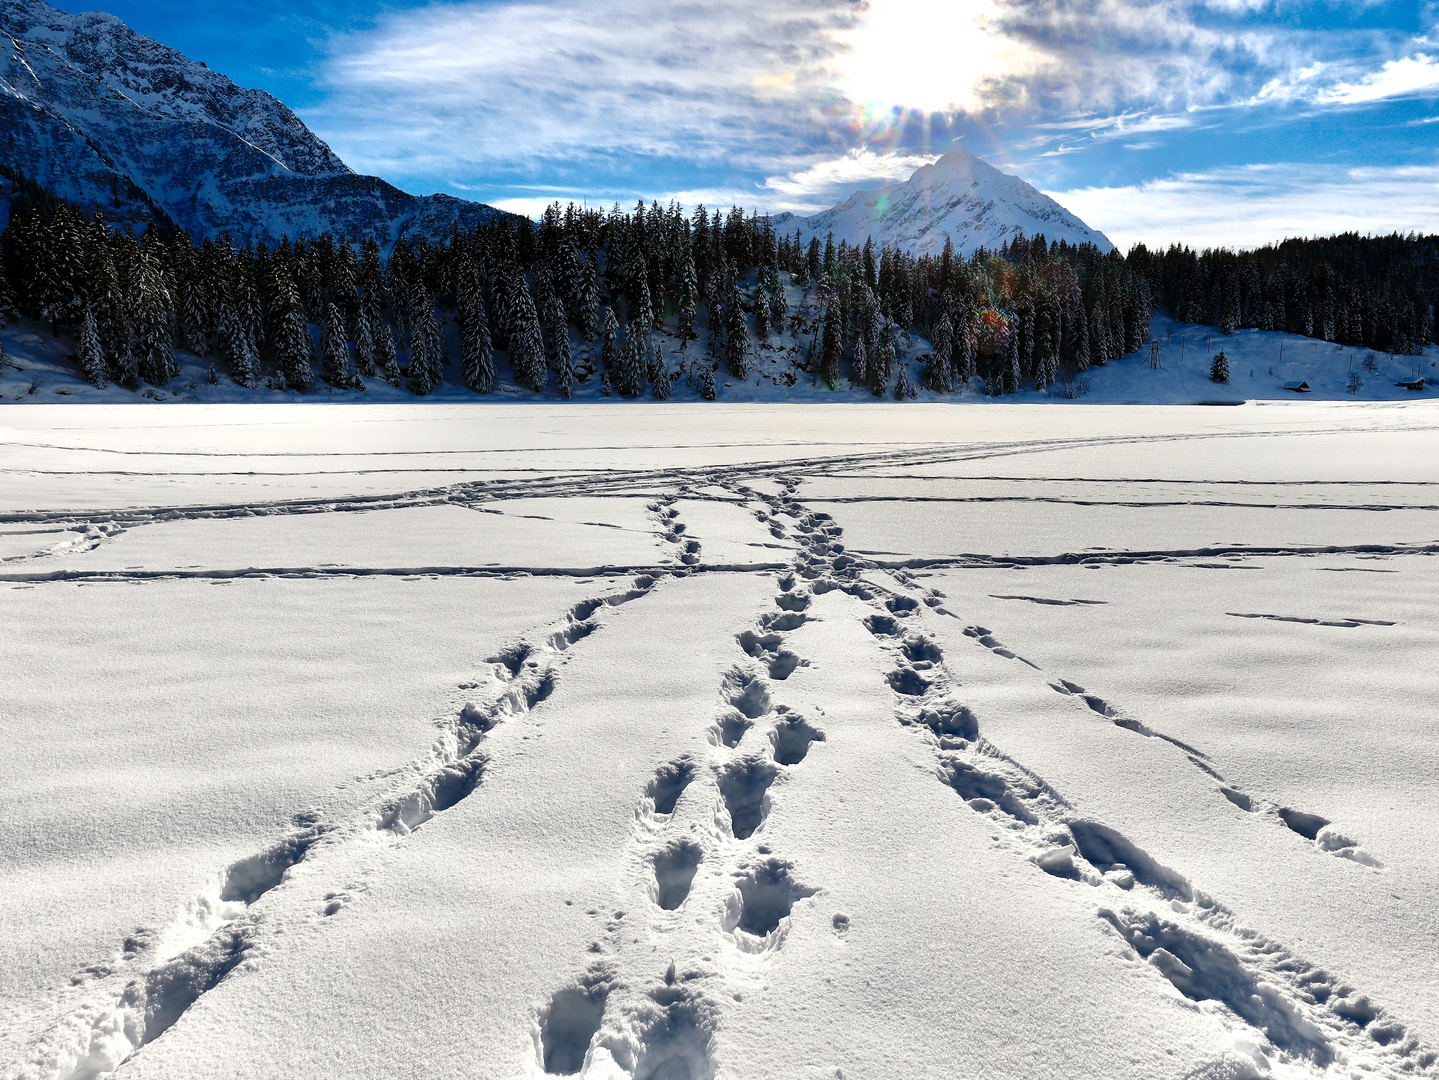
(961, 197)
(112, 120)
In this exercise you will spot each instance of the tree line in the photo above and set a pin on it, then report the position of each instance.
(587, 293)
(1373, 292)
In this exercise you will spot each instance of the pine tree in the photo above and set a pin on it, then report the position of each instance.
(902, 388)
(385, 360)
(477, 355)
(426, 369)
(91, 357)
(688, 293)
(1098, 341)
(556, 328)
(527, 346)
(293, 345)
(365, 340)
(629, 379)
(883, 361)
(859, 364)
(237, 345)
(150, 304)
(659, 375)
(707, 383)
(8, 301)
(587, 300)
(558, 331)
(939, 372)
(1219, 369)
(778, 305)
(609, 346)
(830, 345)
(736, 334)
(335, 351)
(641, 308)
(963, 353)
(687, 313)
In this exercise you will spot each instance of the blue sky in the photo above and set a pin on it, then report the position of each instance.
(1203, 121)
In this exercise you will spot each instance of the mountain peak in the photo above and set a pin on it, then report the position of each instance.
(114, 121)
(959, 197)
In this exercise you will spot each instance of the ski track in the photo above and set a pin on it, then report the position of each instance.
(698, 836)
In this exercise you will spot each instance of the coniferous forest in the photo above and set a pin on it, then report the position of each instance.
(586, 294)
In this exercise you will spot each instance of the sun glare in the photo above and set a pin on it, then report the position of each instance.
(924, 56)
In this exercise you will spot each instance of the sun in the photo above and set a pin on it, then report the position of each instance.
(925, 56)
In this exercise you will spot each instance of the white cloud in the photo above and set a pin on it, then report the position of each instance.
(826, 182)
(1251, 205)
(1153, 55)
(522, 85)
(802, 191)
(1397, 78)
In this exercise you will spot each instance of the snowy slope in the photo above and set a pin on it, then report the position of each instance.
(960, 197)
(112, 120)
(1045, 743)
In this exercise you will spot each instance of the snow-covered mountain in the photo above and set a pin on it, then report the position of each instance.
(112, 120)
(959, 196)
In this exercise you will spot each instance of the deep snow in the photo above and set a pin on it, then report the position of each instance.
(719, 741)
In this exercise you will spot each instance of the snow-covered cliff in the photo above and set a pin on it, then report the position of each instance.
(959, 196)
(112, 120)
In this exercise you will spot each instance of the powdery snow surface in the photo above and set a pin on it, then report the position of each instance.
(695, 742)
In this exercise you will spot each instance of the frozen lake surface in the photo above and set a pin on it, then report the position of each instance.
(707, 742)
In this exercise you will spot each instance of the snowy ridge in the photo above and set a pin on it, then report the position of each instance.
(960, 197)
(114, 121)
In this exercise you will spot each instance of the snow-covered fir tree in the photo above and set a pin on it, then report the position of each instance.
(151, 322)
(364, 338)
(903, 388)
(1219, 369)
(294, 347)
(385, 358)
(88, 351)
(237, 346)
(736, 352)
(527, 346)
(335, 350)
(939, 372)
(610, 347)
(558, 333)
(659, 376)
(629, 379)
(427, 357)
(477, 354)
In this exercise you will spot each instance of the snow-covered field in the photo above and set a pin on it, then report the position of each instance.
(719, 741)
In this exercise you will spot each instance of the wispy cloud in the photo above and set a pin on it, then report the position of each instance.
(525, 85)
(1398, 78)
(1250, 205)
